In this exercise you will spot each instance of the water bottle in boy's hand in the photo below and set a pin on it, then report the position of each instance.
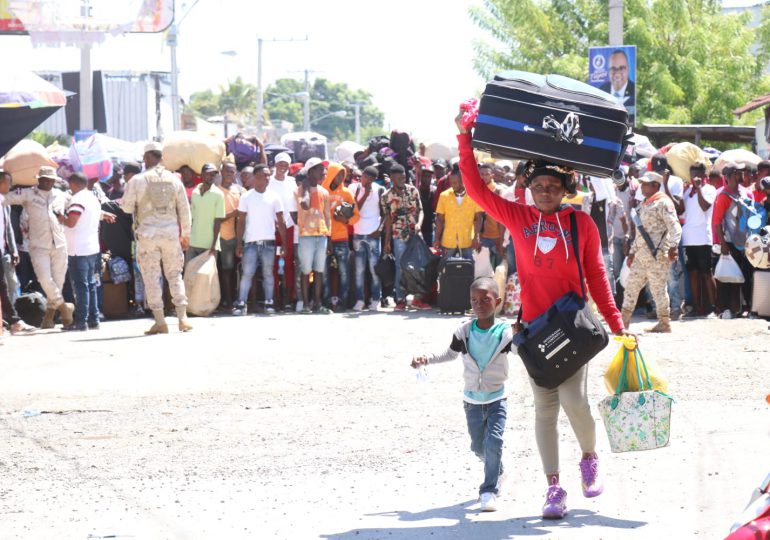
(422, 374)
(420, 364)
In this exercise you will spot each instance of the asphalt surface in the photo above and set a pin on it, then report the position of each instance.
(314, 426)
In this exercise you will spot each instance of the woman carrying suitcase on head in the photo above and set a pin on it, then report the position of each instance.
(548, 270)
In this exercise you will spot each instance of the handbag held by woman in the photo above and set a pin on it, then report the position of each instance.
(555, 345)
(636, 420)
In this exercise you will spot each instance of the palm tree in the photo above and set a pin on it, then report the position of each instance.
(239, 99)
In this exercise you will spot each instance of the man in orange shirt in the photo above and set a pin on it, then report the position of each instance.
(491, 231)
(315, 222)
(227, 240)
(344, 211)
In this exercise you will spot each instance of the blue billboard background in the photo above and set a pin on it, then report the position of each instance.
(613, 69)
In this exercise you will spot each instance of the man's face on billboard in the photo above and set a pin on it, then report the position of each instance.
(618, 71)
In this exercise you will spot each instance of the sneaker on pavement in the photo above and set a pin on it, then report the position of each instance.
(21, 327)
(555, 506)
(358, 306)
(488, 502)
(300, 307)
(269, 310)
(589, 472)
(239, 309)
(419, 304)
(676, 314)
(726, 314)
(400, 306)
(74, 328)
(374, 306)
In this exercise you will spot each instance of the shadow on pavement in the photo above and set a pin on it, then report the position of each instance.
(489, 530)
(118, 338)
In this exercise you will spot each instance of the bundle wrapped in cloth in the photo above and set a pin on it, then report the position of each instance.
(24, 160)
(192, 149)
(632, 384)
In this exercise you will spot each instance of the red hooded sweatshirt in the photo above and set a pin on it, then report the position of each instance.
(545, 258)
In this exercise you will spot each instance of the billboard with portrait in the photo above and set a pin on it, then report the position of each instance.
(140, 16)
(613, 70)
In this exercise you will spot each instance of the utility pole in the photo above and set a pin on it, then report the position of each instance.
(172, 41)
(86, 89)
(307, 101)
(260, 93)
(260, 98)
(616, 22)
(357, 105)
(86, 77)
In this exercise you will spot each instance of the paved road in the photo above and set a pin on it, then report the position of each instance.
(313, 426)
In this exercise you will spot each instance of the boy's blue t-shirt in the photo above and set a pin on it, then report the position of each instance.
(482, 345)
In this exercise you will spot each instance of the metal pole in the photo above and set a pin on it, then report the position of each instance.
(357, 105)
(172, 41)
(616, 22)
(260, 97)
(86, 89)
(307, 100)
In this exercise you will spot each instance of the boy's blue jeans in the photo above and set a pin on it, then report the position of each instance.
(486, 425)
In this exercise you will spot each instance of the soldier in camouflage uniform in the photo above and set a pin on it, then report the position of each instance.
(47, 245)
(158, 202)
(651, 264)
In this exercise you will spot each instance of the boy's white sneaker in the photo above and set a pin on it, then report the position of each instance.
(374, 305)
(488, 502)
(358, 306)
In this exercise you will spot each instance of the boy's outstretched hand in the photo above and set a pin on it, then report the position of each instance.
(418, 361)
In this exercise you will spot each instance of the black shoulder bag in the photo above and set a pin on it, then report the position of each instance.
(555, 345)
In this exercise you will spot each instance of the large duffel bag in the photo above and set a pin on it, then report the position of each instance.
(31, 308)
(552, 118)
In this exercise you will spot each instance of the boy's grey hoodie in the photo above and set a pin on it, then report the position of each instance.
(494, 375)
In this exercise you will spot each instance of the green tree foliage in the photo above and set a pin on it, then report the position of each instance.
(47, 140)
(282, 102)
(238, 99)
(694, 64)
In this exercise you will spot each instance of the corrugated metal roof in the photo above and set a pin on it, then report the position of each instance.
(131, 105)
(755, 103)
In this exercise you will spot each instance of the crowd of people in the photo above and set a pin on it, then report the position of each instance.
(317, 232)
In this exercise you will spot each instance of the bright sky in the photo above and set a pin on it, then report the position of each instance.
(414, 56)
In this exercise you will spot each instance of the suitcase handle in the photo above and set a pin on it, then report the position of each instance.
(568, 131)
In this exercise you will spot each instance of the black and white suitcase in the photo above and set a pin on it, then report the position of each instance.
(454, 285)
(760, 302)
(553, 118)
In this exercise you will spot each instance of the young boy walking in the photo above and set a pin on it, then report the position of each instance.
(484, 344)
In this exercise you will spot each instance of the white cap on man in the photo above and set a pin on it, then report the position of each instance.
(283, 157)
(153, 146)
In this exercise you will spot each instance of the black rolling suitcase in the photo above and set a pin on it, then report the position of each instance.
(552, 118)
(454, 285)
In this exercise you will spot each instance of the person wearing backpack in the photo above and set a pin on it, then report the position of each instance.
(729, 220)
